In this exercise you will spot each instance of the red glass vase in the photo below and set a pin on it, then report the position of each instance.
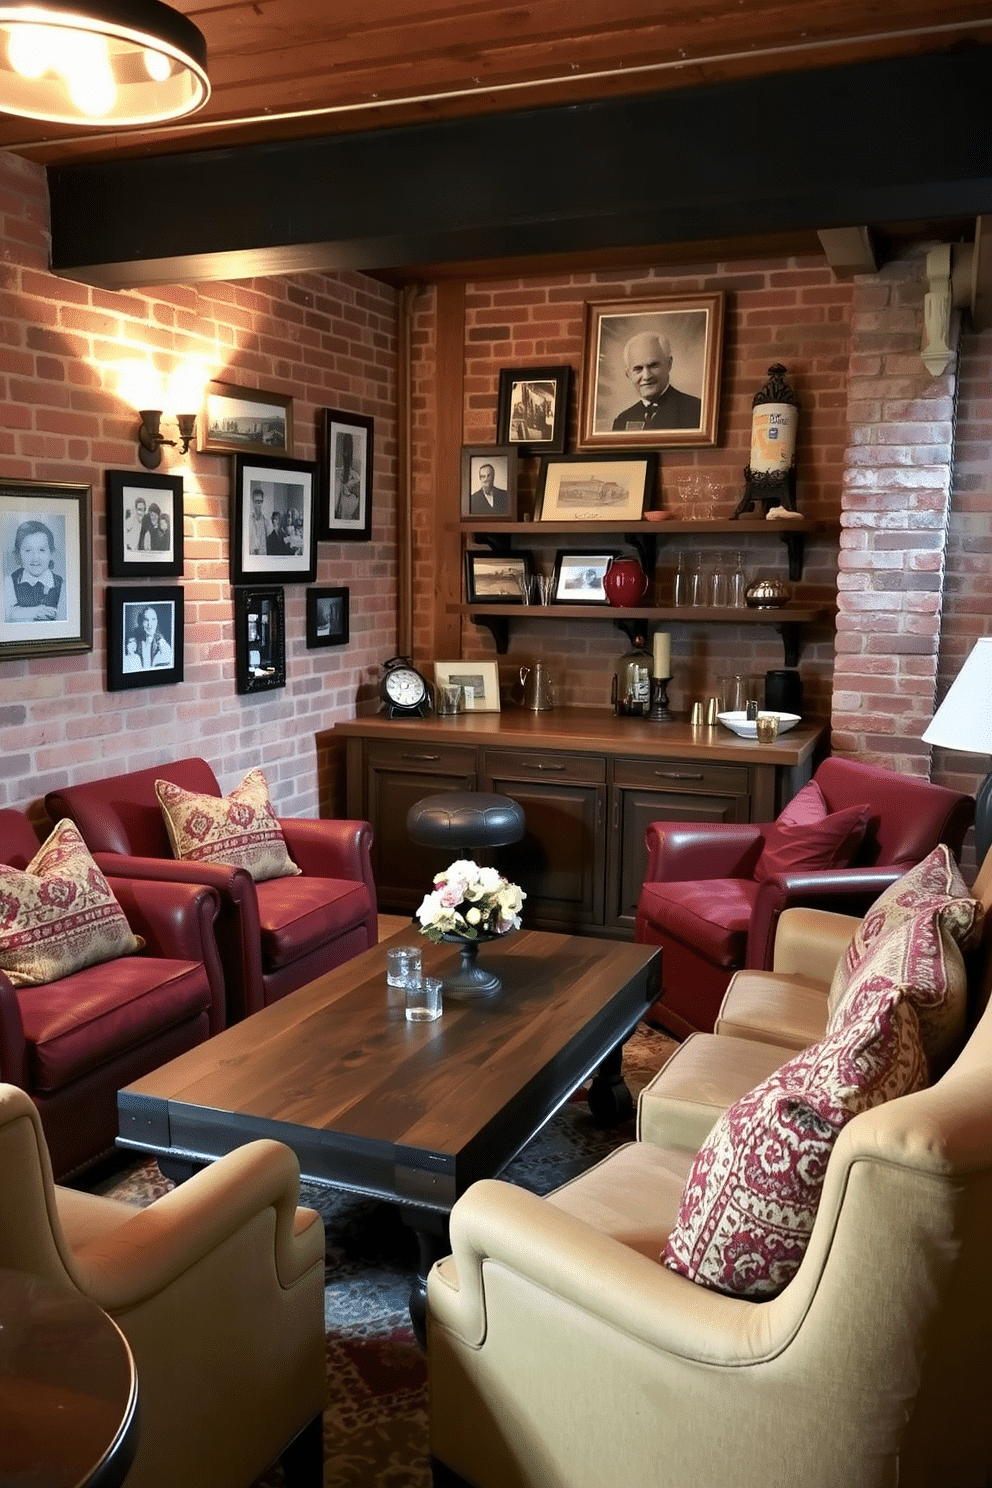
(625, 583)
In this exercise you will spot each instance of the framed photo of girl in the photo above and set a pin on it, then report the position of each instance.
(145, 631)
(347, 445)
(273, 520)
(46, 541)
(144, 525)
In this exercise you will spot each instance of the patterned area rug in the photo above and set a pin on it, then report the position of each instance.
(375, 1418)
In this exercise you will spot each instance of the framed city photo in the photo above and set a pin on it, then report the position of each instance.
(259, 639)
(579, 577)
(533, 409)
(273, 527)
(651, 373)
(46, 541)
(499, 578)
(245, 419)
(478, 679)
(346, 506)
(489, 482)
(145, 628)
(327, 617)
(595, 488)
(144, 525)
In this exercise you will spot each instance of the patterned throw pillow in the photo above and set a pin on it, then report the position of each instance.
(751, 1197)
(240, 829)
(58, 914)
(806, 836)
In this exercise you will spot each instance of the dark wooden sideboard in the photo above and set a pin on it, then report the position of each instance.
(589, 783)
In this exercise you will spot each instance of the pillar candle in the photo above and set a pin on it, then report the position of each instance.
(662, 654)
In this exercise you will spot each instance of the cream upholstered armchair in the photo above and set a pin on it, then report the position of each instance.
(218, 1287)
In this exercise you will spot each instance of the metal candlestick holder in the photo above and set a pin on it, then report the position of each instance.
(660, 711)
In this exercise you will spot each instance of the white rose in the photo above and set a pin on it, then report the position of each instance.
(473, 916)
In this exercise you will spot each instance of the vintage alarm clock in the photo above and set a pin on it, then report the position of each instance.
(403, 689)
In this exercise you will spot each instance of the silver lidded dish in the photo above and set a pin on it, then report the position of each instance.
(767, 594)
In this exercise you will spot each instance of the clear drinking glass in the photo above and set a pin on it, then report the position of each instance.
(737, 583)
(403, 964)
(719, 582)
(680, 587)
(423, 1000)
(697, 581)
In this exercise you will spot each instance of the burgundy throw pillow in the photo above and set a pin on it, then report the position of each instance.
(806, 837)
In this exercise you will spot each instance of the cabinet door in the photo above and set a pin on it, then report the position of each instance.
(560, 862)
(396, 777)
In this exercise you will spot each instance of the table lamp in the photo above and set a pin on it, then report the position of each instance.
(964, 722)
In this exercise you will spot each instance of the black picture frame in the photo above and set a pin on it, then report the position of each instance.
(610, 487)
(497, 578)
(56, 516)
(572, 583)
(501, 506)
(532, 413)
(347, 443)
(286, 486)
(328, 616)
(136, 507)
(139, 655)
(237, 420)
(260, 638)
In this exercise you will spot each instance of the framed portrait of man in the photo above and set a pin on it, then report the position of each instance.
(651, 373)
(489, 482)
(273, 525)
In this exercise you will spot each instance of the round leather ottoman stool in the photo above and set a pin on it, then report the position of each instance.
(465, 819)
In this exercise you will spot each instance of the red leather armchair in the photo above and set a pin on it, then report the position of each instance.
(274, 937)
(71, 1044)
(700, 899)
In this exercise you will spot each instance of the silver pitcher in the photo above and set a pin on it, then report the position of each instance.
(536, 684)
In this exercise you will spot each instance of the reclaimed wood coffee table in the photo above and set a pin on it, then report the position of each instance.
(408, 1112)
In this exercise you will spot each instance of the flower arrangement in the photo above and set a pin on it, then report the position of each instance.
(470, 901)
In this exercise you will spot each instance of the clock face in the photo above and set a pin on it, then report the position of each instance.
(404, 687)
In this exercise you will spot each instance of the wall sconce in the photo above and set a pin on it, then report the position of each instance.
(151, 440)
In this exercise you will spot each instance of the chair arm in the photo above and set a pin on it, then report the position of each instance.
(13, 1050)
(692, 850)
(176, 921)
(810, 942)
(325, 848)
(125, 1266)
(842, 890)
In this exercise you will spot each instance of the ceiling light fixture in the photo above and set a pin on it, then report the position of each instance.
(102, 62)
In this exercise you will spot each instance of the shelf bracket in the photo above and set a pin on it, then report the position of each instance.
(496, 542)
(795, 543)
(645, 545)
(498, 627)
(792, 640)
(636, 631)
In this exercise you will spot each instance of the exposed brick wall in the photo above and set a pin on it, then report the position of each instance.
(328, 341)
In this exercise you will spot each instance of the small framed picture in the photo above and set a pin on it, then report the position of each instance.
(45, 538)
(249, 420)
(259, 639)
(144, 636)
(579, 577)
(273, 527)
(489, 482)
(533, 409)
(144, 525)
(327, 617)
(478, 679)
(346, 507)
(501, 578)
(595, 488)
(651, 373)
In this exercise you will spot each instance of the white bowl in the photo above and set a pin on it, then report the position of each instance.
(748, 729)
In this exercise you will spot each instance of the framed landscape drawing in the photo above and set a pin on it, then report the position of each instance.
(145, 629)
(500, 578)
(247, 419)
(533, 409)
(273, 527)
(346, 507)
(46, 542)
(144, 525)
(595, 488)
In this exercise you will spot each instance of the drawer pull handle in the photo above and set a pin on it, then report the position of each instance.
(679, 775)
(544, 767)
(431, 757)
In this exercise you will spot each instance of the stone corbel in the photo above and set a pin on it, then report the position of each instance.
(949, 275)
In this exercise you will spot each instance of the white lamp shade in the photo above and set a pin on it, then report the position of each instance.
(964, 719)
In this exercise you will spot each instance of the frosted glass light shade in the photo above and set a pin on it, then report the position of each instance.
(964, 719)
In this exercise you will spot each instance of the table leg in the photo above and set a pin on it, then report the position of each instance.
(178, 1168)
(431, 1230)
(609, 1099)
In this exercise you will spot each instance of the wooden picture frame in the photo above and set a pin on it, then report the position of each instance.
(260, 638)
(46, 538)
(478, 679)
(484, 499)
(347, 446)
(579, 575)
(497, 578)
(595, 488)
(145, 636)
(241, 420)
(144, 525)
(264, 549)
(533, 409)
(623, 364)
(328, 616)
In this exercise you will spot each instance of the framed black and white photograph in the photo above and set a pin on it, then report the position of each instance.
(144, 525)
(651, 373)
(259, 639)
(489, 482)
(327, 617)
(273, 526)
(46, 541)
(145, 628)
(533, 409)
(347, 442)
(479, 681)
(498, 578)
(246, 419)
(579, 577)
(595, 488)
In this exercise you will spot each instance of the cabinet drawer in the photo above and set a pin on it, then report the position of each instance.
(435, 759)
(681, 775)
(532, 764)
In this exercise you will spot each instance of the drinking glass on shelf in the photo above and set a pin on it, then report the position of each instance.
(719, 580)
(737, 583)
(526, 583)
(546, 587)
(680, 584)
(697, 581)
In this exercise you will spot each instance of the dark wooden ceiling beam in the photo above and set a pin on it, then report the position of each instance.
(867, 144)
